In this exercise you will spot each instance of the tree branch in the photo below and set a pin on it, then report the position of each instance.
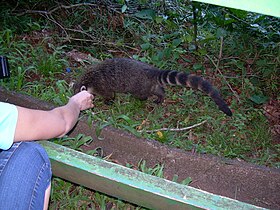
(218, 69)
(175, 129)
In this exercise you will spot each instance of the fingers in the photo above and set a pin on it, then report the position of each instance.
(91, 97)
(84, 99)
(90, 103)
(88, 100)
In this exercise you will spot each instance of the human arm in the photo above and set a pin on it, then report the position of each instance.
(38, 125)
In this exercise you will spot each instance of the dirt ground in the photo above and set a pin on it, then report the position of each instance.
(235, 179)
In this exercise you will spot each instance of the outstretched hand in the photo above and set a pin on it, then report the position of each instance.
(83, 99)
(39, 124)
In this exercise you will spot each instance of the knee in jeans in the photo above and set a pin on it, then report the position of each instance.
(39, 156)
(25, 176)
(36, 150)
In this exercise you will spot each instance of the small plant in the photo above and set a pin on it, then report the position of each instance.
(74, 143)
(66, 195)
(49, 64)
(157, 170)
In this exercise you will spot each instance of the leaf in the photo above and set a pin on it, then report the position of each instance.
(258, 99)
(221, 32)
(187, 181)
(192, 47)
(202, 51)
(197, 66)
(84, 140)
(124, 117)
(146, 14)
(145, 46)
(188, 38)
(175, 178)
(260, 19)
(129, 129)
(176, 42)
(99, 129)
(239, 13)
(166, 53)
(159, 19)
(124, 8)
(229, 21)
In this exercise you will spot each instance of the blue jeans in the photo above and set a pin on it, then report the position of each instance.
(25, 174)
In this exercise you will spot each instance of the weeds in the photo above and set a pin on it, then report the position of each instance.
(43, 76)
(74, 143)
(248, 78)
(65, 195)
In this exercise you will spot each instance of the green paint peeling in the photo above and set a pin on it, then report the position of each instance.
(268, 7)
(131, 185)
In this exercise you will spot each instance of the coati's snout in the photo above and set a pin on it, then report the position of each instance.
(79, 87)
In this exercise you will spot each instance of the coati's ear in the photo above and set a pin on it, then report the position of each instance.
(83, 88)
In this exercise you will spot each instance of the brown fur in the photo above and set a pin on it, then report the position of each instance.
(123, 75)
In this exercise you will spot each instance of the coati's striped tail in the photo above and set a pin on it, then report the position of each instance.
(196, 82)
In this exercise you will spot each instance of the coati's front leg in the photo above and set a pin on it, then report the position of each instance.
(109, 101)
(140, 96)
(108, 97)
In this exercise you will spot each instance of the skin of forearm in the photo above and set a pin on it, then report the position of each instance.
(69, 113)
(39, 125)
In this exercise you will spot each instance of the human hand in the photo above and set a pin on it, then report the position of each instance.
(83, 99)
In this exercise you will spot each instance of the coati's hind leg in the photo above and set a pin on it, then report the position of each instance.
(159, 92)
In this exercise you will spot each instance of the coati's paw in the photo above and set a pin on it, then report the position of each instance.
(158, 100)
(109, 102)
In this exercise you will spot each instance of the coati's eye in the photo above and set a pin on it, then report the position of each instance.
(83, 88)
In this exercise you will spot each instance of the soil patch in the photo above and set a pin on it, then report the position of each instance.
(239, 180)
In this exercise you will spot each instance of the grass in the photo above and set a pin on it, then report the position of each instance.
(248, 78)
(66, 195)
(39, 70)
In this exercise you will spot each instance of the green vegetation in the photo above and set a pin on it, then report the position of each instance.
(83, 198)
(66, 195)
(48, 48)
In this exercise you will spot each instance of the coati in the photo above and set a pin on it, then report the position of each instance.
(124, 75)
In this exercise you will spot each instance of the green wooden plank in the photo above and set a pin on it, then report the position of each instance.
(131, 185)
(268, 7)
